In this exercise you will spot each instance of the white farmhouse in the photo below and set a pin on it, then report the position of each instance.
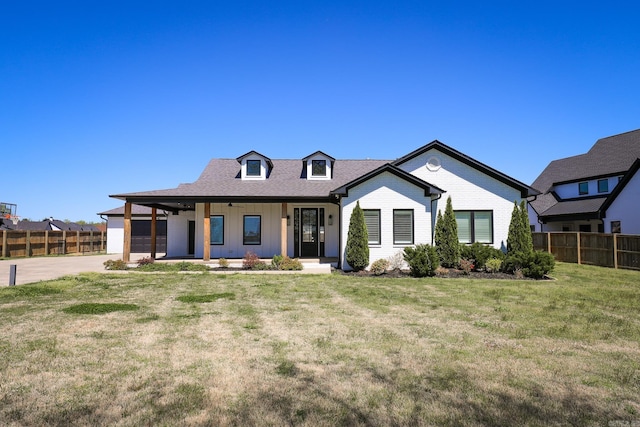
(302, 208)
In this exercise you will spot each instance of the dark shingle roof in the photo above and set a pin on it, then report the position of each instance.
(221, 179)
(135, 210)
(609, 156)
(575, 207)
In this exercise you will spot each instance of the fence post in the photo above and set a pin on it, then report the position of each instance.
(101, 241)
(64, 242)
(615, 250)
(4, 243)
(13, 269)
(91, 241)
(78, 241)
(548, 242)
(578, 246)
(46, 242)
(27, 246)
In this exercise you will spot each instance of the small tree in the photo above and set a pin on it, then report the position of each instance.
(357, 251)
(514, 242)
(446, 237)
(527, 239)
(519, 239)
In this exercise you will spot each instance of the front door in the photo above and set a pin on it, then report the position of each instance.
(309, 232)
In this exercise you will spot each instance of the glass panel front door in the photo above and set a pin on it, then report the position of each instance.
(309, 232)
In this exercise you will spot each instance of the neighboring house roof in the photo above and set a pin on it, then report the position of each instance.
(53, 225)
(611, 156)
(443, 148)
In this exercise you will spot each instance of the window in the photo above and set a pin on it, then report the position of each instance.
(603, 185)
(616, 227)
(583, 188)
(253, 168)
(372, 221)
(585, 228)
(319, 168)
(251, 230)
(403, 226)
(475, 226)
(217, 230)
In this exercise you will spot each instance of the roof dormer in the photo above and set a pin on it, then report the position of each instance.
(254, 166)
(318, 166)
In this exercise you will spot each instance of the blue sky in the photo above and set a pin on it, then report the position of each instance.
(100, 98)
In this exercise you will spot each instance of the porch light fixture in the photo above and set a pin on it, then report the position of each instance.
(288, 220)
(330, 219)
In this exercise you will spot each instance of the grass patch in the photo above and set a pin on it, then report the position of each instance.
(99, 308)
(323, 350)
(206, 298)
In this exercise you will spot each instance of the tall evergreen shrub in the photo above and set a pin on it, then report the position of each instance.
(357, 251)
(527, 238)
(446, 237)
(519, 239)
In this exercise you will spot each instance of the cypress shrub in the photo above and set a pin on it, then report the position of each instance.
(446, 237)
(357, 251)
(527, 239)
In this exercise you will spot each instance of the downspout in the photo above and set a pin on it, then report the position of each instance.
(339, 203)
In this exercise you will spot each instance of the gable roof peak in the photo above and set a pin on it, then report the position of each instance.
(318, 152)
(267, 159)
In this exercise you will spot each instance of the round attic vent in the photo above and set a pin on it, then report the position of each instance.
(433, 164)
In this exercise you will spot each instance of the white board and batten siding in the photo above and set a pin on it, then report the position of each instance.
(469, 189)
(388, 192)
(115, 235)
(625, 208)
(269, 213)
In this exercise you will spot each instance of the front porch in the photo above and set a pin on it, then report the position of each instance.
(212, 230)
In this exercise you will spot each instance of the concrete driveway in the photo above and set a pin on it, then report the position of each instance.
(31, 270)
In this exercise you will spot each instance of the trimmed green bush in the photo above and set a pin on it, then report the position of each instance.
(480, 253)
(422, 260)
(250, 260)
(357, 250)
(115, 264)
(379, 267)
(290, 264)
(276, 260)
(493, 265)
(532, 264)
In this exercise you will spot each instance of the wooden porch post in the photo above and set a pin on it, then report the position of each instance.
(126, 249)
(283, 230)
(154, 213)
(206, 254)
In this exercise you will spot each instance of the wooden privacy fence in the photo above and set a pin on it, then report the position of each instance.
(19, 243)
(607, 250)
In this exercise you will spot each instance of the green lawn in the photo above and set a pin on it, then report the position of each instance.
(205, 349)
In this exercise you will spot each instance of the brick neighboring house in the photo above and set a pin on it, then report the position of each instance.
(302, 207)
(598, 191)
(50, 225)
